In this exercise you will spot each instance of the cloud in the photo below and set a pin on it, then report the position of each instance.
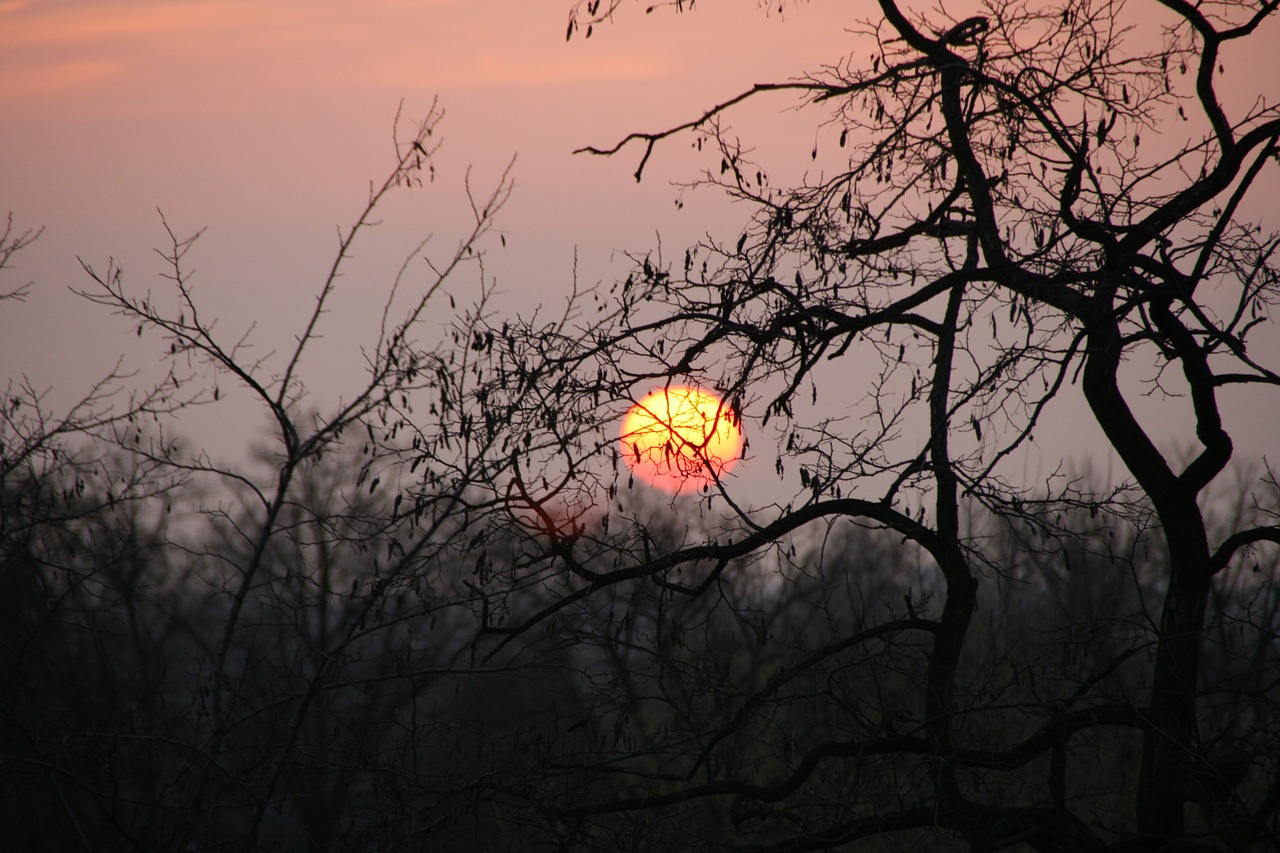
(94, 56)
(76, 25)
(139, 56)
(103, 23)
(491, 68)
(44, 79)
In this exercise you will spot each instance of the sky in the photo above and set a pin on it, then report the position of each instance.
(264, 123)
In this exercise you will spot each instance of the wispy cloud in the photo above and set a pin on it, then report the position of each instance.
(494, 68)
(44, 79)
(60, 25)
(146, 55)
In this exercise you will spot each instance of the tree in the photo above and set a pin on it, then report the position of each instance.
(242, 679)
(81, 544)
(993, 230)
(438, 613)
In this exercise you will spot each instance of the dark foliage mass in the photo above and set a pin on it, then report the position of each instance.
(437, 615)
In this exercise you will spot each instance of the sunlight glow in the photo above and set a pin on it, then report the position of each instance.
(680, 437)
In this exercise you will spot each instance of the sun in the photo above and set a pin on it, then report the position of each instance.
(678, 436)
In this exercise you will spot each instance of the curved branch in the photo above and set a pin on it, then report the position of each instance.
(1241, 539)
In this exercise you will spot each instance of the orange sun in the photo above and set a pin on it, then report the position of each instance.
(678, 436)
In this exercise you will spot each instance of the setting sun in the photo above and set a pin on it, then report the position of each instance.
(676, 437)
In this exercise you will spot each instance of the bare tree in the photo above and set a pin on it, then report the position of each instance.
(440, 614)
(1017, 202)
(296, 622)
(81, 543)
(10, 245)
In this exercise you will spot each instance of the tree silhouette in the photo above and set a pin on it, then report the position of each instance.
(243, 678)
(993, 232)
(441, 613)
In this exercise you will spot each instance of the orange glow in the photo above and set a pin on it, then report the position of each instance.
(676, 437)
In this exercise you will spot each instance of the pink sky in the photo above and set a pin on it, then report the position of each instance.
(266, 122)
(245, 117)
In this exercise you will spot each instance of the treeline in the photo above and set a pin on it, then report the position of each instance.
(435, 613)
(364, 709)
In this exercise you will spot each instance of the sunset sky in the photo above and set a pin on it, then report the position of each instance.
(266, 122)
